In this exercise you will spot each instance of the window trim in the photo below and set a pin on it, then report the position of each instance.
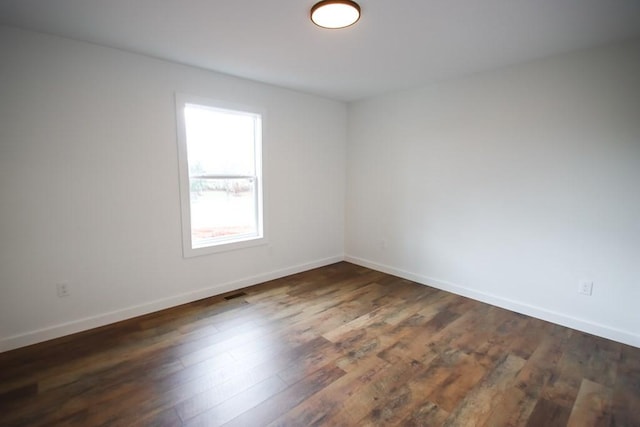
(188, 250)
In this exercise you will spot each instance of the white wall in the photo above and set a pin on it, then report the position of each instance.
(89, 186)
(510, 187)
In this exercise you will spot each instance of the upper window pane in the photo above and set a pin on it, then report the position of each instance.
(220, 142)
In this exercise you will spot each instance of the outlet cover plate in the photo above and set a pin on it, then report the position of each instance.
(62, 290)
(585, 287)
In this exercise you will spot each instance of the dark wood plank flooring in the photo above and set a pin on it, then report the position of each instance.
(338, 346)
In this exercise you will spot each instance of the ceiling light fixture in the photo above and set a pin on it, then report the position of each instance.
(335, 13)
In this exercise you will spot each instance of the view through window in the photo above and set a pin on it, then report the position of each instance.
(222, 148)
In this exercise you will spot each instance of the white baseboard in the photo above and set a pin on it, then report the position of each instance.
(103, 319)
(626, 337)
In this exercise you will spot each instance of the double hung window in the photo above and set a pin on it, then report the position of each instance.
(220, 154)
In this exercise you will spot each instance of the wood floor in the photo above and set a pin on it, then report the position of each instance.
(337, 346)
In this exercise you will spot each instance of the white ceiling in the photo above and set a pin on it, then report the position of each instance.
(396, 44)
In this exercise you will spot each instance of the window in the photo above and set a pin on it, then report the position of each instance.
(220, 175)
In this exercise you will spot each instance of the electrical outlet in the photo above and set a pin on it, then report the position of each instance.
(63, 290)
(585, 287)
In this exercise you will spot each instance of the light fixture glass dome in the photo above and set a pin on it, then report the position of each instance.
(335, 13)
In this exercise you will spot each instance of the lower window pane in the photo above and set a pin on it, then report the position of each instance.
(222, 209)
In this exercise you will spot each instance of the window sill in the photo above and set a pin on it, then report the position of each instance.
(250, 242)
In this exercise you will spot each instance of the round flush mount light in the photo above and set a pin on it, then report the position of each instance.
(335, 13)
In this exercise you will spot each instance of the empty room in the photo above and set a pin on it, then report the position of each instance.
(320, 213)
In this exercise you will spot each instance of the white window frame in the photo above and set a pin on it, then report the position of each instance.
(230, 243)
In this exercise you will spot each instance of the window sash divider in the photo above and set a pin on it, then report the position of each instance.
(222, 177)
